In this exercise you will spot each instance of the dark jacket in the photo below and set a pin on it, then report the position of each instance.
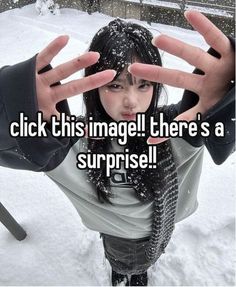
(18, 94)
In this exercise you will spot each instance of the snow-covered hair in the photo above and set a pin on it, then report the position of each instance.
(120, 43)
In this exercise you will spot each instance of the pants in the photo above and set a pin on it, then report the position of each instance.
(126, 256)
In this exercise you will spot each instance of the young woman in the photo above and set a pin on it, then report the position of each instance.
(134, 210)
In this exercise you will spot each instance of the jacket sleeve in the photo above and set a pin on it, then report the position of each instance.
(18, 94)
(223, 111)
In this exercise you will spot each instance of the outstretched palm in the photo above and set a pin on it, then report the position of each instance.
(212, 85)
(47, 95)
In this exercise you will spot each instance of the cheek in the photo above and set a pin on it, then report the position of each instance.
(107, 100)
(147, 99)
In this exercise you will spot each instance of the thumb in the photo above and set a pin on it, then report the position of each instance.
(187, 116)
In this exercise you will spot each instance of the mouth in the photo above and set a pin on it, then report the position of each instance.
(129, 116)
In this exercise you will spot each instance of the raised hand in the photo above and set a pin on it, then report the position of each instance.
(218, 73)
(48, 96)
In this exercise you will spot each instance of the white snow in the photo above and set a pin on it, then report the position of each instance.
(157, 3)
(220, 11)
(208, 10)
(59, 250)
(44, 7)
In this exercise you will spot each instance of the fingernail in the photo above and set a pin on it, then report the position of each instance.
(153, 41)
(94, 52)
(128, 69)
(114, 73)
(98, 54)
(185, 14)
(151, 140)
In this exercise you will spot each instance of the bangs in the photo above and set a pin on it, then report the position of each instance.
(120, 44)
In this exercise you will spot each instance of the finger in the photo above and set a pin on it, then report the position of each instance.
(47, 115)
(193, 55)
(151, 140)
(170, 77)
(46, 55)
(65, 70)
(82, 85)
(213, 36)
(189, 115)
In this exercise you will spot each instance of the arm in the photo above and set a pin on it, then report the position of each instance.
(223, 111)
(18, 93)
(210, 92)
(29, 87)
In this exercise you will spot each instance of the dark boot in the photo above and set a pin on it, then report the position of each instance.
(119, 279)
(139, 280)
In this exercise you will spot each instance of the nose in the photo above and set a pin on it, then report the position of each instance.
(130, 99)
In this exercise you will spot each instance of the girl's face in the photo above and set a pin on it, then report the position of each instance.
(126, 96)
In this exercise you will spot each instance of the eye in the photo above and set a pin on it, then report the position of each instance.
(145, 86)
(114, 87)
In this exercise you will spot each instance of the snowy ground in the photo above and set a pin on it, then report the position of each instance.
(59, 250)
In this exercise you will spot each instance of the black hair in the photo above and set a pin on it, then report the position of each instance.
(120, 43)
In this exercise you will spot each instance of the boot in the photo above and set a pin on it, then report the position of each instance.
(119, 279)
(139, 280)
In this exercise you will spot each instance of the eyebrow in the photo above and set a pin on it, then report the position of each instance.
(122, 80)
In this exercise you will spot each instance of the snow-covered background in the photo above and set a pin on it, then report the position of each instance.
(59, 250)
